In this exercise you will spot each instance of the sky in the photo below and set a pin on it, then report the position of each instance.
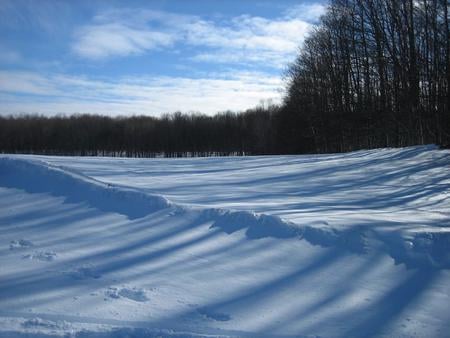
(147, 57)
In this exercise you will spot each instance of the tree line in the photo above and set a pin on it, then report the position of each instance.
(172, 135)
(373, 73)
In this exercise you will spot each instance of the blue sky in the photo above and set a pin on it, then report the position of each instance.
(147, 57)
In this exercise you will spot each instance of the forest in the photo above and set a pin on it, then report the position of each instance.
(372, 73)
(375, 73)
(172, 135)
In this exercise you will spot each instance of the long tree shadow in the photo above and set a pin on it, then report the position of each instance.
(383, 312)
(147, 248)
(343, 288)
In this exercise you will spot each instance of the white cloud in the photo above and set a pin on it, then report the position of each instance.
(61, 93)
(308, 12)
(242, 57)
(105, 40)
(127, 32)
(249, 40)
(243, 42)
(248, 33)
(235, 40)
(26, 83)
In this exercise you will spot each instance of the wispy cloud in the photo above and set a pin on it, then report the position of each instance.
(116, 39)
(127, 32)
(235, 40)
(248, 39)
(252, 33)
(61, 93)
(252, 48)
(308, 12)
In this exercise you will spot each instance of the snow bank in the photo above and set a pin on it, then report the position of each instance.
(420, 248)
(39, 177)
(256, 225)
(415, 249)
(427, 247)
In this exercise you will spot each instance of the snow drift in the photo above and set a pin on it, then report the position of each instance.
(423, 247)
(343, 245)
(36, 176)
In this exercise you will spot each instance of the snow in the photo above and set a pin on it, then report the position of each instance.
(338, 245)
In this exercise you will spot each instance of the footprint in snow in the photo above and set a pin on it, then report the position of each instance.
(20, 244)
(47, 324)
(46, 256)
(135, 294)
(213, 314)
(85, 273)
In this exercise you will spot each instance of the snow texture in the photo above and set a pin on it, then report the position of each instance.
(19, 244)
(35, 176)
(41, 255)
(343, 245)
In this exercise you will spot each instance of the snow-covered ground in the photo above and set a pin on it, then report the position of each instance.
(345, 245)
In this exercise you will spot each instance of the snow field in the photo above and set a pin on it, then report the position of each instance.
(209, 247)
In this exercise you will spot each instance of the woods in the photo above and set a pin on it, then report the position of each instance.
(373, 73)
(173, 135)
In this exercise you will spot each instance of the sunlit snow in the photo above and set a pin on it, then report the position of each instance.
(344, 245)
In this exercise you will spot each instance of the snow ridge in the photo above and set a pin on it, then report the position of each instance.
(421, 249)
(415, 249)
(39, 177)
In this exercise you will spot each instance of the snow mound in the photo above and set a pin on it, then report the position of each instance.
(39, 177)
(261, 225)
(256, 225)
(354, 239)
(423, 248)
(415, 249)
